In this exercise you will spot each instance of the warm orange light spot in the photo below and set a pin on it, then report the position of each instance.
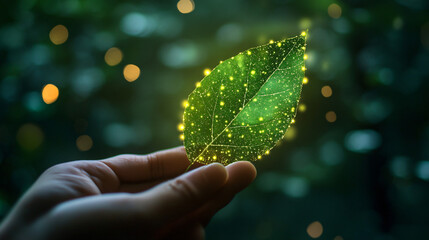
(84, 143)
(331, 116)
(113, 56)
(186, 6)
(50, 93)
(58, 34)
(326, 91)
(315, 229)
(334, 11)
(131, 72)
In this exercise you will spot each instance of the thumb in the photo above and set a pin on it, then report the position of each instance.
(182, 195)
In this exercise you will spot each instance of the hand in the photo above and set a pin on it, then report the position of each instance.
(126, 197)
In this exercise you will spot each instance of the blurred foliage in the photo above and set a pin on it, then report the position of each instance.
(362, 175)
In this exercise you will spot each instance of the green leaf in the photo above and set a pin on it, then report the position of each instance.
(245, 105)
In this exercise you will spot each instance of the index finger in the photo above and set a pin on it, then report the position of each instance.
(159, 165)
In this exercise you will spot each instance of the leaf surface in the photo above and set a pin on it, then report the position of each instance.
(245, 105)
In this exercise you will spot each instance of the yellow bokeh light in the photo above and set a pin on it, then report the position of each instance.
(185, 6)
(207, 72)
(198, 84)
(50, 93)
(59, 34)
(331, 116)
(305, 80)
(290, 133)
(182, 137)
(181, 127)
(131, 72)
(334, 11)
(315, 229)
(30, 137)
(303, 33)
(302, 107)
(305, 56)
(326, 91)
(185, 103)
(113, 56)
(84, 143)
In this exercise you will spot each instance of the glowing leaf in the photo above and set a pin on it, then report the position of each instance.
(244, 106)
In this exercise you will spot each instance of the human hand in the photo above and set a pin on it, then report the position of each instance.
(126, 197)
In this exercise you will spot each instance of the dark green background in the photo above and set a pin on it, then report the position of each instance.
(364, 176)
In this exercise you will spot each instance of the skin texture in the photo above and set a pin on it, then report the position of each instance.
(126, 197)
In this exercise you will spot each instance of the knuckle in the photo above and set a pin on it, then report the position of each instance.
(155, 166)
(184, 189)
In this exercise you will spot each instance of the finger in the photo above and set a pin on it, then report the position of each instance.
(138, 187)
(146, 211)
(240, 175)
(181, 196)
(163, 164)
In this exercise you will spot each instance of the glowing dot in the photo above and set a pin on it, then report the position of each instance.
(192, 107)
(305, 56)
(271, 41)
(84, 143)
(59, 34)
(292, 121)
(303, 68)
(255, 99)
(113, 56)
(334, 11)
(249, 52)
(198, 84)
(315, 229)
(292, 109)
(231, 78)
(186, 6)
(201, 158)
(302, 107)
(50, 93)
(185, 103)
(131, 72)
(261, 119)
(222, 103)
(279, 44)
(182, 137)
(181, 127)
(331, 116)
(252, 72)
(207, 72)
(305, 80)
(259, 156)
(326, 91)
(303, 33)
(267, 152)
(229, 135)
(208, 94)
(214, 157)
(222, 87)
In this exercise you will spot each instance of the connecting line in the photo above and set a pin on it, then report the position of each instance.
(254, 125)
(271, 94)
(214, 109)
(235, 146)
(208, 145)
